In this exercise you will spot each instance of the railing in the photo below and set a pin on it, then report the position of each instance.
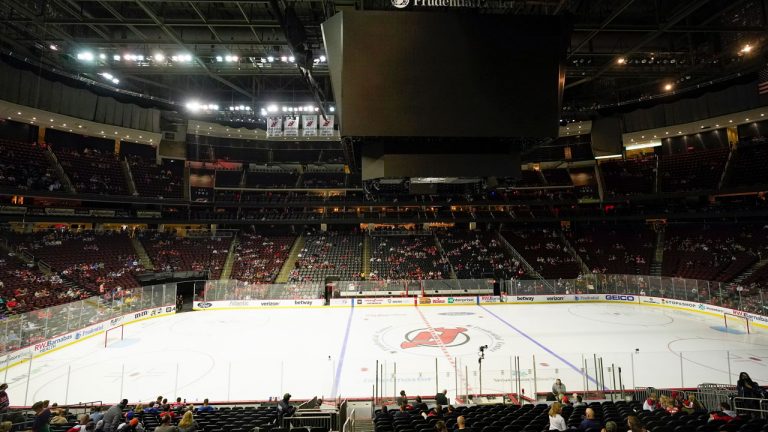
(700, 291)
(349, 424)
(752, 407)
(451, 287)
(27, 329)
(216, 290)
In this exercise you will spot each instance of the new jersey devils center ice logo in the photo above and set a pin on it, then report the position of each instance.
(448, 337)
(400, 4)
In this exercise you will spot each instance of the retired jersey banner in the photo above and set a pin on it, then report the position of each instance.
(326, 126)
(274, 126)
(291, 126)
(309, 125)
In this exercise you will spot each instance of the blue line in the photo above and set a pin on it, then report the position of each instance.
(339, 366)
(540, 345)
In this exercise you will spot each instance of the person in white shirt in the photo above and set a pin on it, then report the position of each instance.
(556, 421)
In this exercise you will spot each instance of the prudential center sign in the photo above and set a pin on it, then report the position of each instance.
(473, 4)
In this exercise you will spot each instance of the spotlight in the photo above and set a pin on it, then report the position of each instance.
(283, 59)
(332, 109)
(668, 87)
(219, 59)
(193, 106)
(746, 49)
(272, 108)
(270, 59)
(103, 56)
(291, 59)
(85, 56)
(621, 60)
(53, 47)
(159, 57)
(116, 57)
(322, 59)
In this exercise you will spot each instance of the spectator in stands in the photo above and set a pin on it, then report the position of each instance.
(556, 420)
(610, 426)
(113, 416)
(96, 414)
(4, 401)
(205, 407)
(589, 421)
(651, 404)
(402, 412)
(59, 417)
(634, 425)
(41, 422)
(437, 412)
(284, 409)
(725, 408)
(6, 426)
(461, 423)
(420, 405)
(131, 425)
(440, 426)
(165, 425)
(579, 401)
(82, 421)
(402, 399)
(441, 398)
(558, 387)
(188, 423)
(137, 412)
(692, 405)
(748, 388)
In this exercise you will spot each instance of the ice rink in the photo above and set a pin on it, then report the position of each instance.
(333, 351)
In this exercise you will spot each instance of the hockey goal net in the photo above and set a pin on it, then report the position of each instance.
(736, 323)
(113, 335)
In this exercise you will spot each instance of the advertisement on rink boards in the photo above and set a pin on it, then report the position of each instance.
(65, 339)
(704, 308)
(254, 304)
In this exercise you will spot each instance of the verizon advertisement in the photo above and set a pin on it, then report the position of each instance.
(255, 304)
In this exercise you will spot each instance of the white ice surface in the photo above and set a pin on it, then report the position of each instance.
(257, 354)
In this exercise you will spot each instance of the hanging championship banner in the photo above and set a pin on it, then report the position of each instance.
(291, 126)
(326, 126)
(274, 126)
(309, 125)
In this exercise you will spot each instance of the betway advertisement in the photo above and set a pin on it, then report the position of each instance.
(253, 304)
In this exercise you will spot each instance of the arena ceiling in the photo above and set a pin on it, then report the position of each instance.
(218, 52)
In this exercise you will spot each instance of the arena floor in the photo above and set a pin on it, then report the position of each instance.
(257, 354)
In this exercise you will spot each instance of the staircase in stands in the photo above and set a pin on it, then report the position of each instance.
(363, 425)
(582, 266)
(442, 254)
(748, 272)
(658, 254)
(285, 271)
(227, 271)
(54, 161)
(367, 255)
(128, 175)
(144, 259)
